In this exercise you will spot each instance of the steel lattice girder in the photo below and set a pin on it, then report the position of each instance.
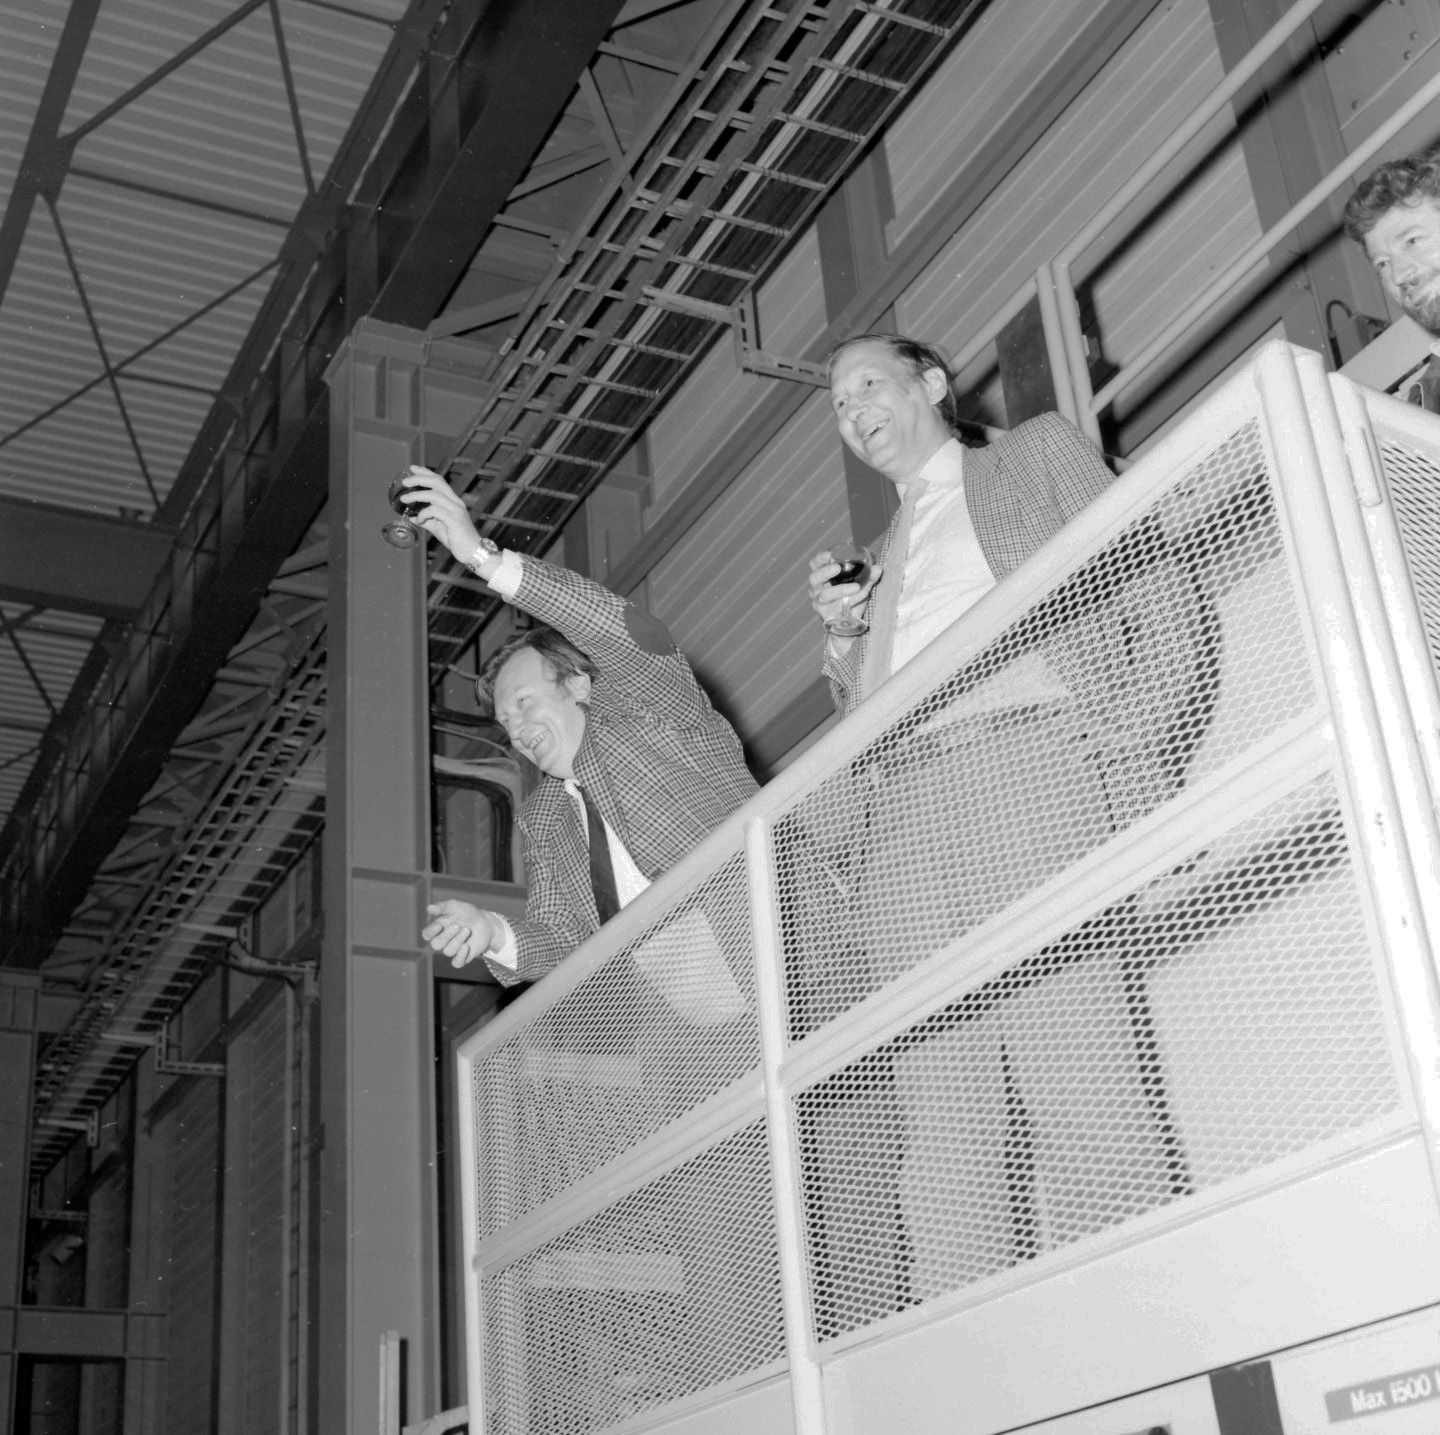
(762, 131)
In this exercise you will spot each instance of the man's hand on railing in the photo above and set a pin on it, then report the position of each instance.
(460, 931)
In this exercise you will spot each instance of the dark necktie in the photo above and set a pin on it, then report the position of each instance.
(602, 873)
(1426, 389)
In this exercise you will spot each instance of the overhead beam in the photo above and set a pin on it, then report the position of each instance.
(78, 562)
(42, 166)
(526, 62)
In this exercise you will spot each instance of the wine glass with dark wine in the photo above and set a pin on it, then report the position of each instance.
(403, 532)
(855, 564)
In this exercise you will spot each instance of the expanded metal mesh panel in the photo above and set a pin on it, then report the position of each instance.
(1414, 481)
(1207, 1024)
(652, 1033)
(666, 1293)
(1169, 653)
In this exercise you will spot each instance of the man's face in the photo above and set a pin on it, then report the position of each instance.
(887, 413)
(1404, 247)
(542, 715)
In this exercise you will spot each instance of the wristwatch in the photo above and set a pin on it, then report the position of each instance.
(488, 548)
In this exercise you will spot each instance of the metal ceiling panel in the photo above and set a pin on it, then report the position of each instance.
(29, 34)
(332, 57)
(218, 128)
(80, 457)
(131, 39)
(202, 351)
(168, 151)
(148, 264)
(165, 421)
(48, 348)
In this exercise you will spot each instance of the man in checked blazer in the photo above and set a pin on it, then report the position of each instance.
(1076, 719)
(1134, 661)
(607, 708)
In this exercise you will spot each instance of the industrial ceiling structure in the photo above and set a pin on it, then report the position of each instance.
(200, 201)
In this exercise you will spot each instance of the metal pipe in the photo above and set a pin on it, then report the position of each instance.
(807, 1397)
(1052, 325)
(1067, 307)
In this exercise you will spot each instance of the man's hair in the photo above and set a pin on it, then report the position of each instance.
(1400, 183)
(561, 657)
(917, 355)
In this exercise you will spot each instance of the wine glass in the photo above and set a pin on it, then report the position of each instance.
(402, 532)
(855, 564)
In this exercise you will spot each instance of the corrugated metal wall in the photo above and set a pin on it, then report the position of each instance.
(194, 1258)
(733, 590)
(791, 308)
(1168, 66)
(266, 1112)
(953, 115)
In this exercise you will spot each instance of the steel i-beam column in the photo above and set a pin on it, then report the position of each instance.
(19, 999)
(378, 1224)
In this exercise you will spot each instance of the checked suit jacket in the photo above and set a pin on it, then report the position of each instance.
(1137, 648)
(664, 768)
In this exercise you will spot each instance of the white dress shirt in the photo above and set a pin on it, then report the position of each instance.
(945, 571)
(945, 574)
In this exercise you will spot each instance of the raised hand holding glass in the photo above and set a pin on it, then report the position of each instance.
(402, 532)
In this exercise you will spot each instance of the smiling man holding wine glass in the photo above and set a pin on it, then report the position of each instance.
(1120, 669)
(1074, 721)
(967, 516)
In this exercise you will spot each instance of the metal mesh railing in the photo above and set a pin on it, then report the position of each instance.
(1087, 712)
(1141, 1055)
(649, 1036)
(1413, 477)
(1072, 925)
(672, 1290)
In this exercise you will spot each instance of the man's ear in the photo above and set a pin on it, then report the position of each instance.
(578, 686)
(936, 384)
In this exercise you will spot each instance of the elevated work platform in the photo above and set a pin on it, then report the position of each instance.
(1063, 1025)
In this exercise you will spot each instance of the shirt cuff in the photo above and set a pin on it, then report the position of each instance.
(505, 580)
(507, 953)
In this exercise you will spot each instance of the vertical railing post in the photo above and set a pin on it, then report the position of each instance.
(1067, 313)
(1352, 661)
(806, 1393)
(1057, 351)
